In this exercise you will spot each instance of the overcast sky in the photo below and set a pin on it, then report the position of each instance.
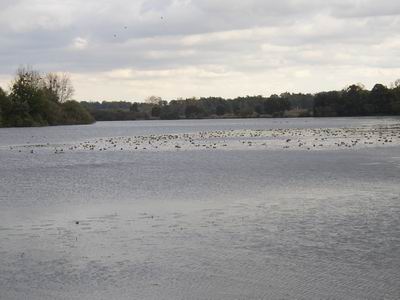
(131, 49)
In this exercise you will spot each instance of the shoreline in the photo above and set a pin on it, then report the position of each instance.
(216, 118)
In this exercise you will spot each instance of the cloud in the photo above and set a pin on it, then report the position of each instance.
(366, 8)
(129, 49)
(80, 43)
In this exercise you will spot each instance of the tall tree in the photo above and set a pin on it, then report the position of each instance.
(381, 98)
(27, 98)
(354, 97)
(60, 85)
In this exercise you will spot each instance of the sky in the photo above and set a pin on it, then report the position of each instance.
(131, 49)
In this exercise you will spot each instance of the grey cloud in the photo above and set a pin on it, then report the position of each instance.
(366, 8)
(243, 37)
(154, 5)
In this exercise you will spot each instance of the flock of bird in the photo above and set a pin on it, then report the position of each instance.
(273, 139)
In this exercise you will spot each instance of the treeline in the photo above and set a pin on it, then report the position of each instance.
(211, 107)
(354, 100)
(40, 100)
(36, 100)
(357, 101)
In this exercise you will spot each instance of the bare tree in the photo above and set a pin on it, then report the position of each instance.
(153, 100)
(60, 84)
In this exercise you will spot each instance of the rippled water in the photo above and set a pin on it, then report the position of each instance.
(204, 224)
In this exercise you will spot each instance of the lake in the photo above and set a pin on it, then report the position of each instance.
(202, 209)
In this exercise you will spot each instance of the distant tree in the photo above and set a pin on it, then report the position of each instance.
(220, 110)
(156, 111)
(134, 107)
(246, 111)
(325, 104)
(60, 85)
(235, 107)
(170, 112)
(74, 113)
(381, 98)
(193, 111)
(299, 101)
(353, 99)
(259, 109)
(155, 100)
(276, 106)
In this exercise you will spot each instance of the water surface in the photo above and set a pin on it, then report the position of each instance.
(236, 223)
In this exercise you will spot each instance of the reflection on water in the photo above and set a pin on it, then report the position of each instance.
(234, 224)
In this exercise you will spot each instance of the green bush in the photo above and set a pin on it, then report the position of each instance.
(32, 102)
(74, 113)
